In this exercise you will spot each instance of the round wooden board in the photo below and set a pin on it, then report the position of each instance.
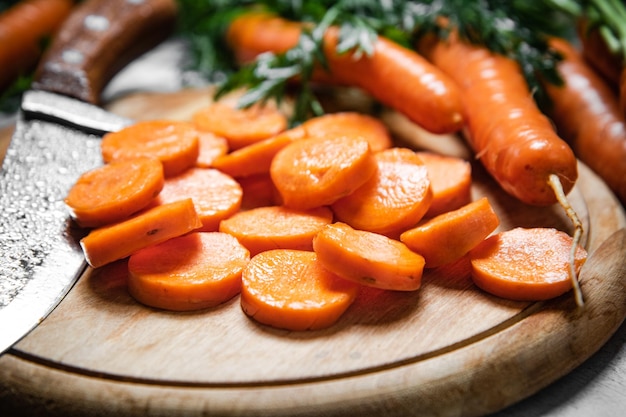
(446, 350)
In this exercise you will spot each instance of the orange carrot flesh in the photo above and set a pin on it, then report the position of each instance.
(368, 258)
(215, 195)
(258, 191)
(240, 127)
(174, 143)
(445, 238)
(191, 272)
(450, 181)
(350, 124)
(276, 227)
(313, 172)
(289, 289)
(114, 191)
(120, 240)
(525, 264)
(211, 148)
(395, 198)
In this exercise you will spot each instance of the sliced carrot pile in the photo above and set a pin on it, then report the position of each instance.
(450, 181)
(191, 272)
(258, 191)
(277, 227)
(528, 264)
(450, 236)
(290, 289)
(395, 198)
(114, 191)
(241, 127)
(211, 147)
(215, 195)
(314, 172)
(368, 258)
(350, 124)
(174, 143)
(120, 240)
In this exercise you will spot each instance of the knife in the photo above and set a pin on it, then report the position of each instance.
(56, 139)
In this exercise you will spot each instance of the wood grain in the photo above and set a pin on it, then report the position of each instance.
(448, 349)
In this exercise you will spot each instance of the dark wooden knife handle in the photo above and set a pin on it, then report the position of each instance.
(97, 40)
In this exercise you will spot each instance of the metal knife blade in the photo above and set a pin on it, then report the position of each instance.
(56, 139)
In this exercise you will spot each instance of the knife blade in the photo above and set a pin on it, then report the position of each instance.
(56, 139)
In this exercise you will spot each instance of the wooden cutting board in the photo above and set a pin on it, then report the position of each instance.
(446, 350)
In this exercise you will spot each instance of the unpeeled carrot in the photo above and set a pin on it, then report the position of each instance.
(174, 143)
(120, 240)
(450, 181)
(276, 227)
(525, 264)
(313, 172)
(368, 258)
(450, 236)
(290, 289)
(191, 272)
(215, 195)
(211, 147)
(114, 191)
(240, 127)
(395, 198)
(596, 52)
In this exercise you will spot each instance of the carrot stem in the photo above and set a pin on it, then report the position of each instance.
(555, 184)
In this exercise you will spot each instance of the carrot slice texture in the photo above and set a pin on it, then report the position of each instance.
(241, 127)
(277, 227)
(450, 236)
(120, 240)
(450, 181)
(289, 289)
(314, 172)
(191, 272)
(527, 264)
(350, 124)
(215, 195)
(114, 191)
(211, 147)
(174, 143)
(395, 198)
(368, 258)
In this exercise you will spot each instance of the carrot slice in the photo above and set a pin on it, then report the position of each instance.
(527, 264)
(258, 191)
(368, 258)
(395, 198)
(289, 289)
(277, 227)
(313, 172)
(350, 124)
(215, 195)
(120, 240)
(211, 147)
(241, 127)
(449, 236)
(175, 144)
(115, 191)
(191, 272)
(450, 181)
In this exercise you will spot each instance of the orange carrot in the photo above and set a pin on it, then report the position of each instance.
(450, 181)
(290, 289)
(120, 240)
(314, 172)
(211, 148)
(396, 76)
(191, 272)
(350, 124)
(596, 52)
(240, 127)
(368, 258)
(395, 198)
(215, 195)
(23, 29)
(174, 143)
(276, 227)
(450, 236)
(115, 191)
(258, 191)
(525, 264)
